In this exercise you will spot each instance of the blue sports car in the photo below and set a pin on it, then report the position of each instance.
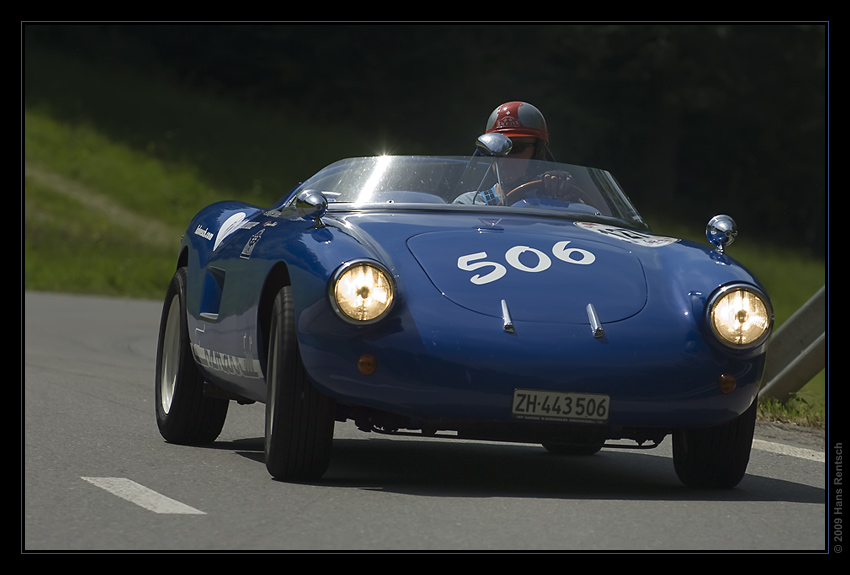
(479, 297)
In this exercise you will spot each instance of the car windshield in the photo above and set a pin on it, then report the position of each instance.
(476, 182)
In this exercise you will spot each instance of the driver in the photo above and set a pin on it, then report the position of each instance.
(526, 127)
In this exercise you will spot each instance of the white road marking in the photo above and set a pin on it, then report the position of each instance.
(789, 450)
(142, 496)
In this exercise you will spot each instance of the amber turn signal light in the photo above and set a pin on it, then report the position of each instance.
(726, 383)
(367, 364)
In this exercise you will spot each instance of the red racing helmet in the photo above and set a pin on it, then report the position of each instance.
(518, 119)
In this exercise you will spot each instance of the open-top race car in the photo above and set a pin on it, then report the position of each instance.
(439, 296)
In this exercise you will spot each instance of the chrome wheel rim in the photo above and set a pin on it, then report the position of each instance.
(271, 388)
(170, 355)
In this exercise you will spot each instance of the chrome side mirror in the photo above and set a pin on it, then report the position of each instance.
(721, 231)
(312, 205)
(493, 145)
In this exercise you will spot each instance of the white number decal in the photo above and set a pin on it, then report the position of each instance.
(559, 250)
(512, 255)
(465, 263)
(565, 254)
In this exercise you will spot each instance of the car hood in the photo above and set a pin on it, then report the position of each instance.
(542, 272)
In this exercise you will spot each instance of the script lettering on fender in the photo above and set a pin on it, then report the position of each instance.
(204, 233)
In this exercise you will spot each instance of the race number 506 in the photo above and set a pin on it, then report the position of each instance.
(538, 262)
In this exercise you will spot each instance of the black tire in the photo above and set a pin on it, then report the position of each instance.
(183, 414)
(716, 457)
(299, 419)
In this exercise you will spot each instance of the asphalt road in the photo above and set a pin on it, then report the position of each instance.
(96, 475)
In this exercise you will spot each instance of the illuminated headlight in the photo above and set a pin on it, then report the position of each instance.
(740, 316)
(362, 291)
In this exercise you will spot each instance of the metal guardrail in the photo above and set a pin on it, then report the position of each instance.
(797, 351)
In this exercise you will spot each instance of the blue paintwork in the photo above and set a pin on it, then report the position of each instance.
(443, 353)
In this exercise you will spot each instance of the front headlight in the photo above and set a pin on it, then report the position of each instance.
(740, 316)
(362, 291)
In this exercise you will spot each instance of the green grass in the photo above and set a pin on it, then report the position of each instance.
(105, 217)
(71, 247)
(797, 410)
(91, 221)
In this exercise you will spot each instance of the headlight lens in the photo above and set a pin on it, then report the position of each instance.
(740, 317)
(362, 291)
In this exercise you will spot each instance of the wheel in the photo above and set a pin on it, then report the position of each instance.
(299, 419)
(716, 457)
(183, 414)
(580, 449)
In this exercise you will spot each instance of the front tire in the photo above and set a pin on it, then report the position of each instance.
(716, 457)
(299, 419)
(183, 414)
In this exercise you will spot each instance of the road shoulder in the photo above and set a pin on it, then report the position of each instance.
(790, 434)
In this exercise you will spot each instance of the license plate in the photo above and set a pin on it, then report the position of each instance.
(533, 404)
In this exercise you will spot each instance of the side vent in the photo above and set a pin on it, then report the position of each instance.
(211, 296)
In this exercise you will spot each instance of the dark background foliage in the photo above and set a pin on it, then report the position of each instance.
(693, 119)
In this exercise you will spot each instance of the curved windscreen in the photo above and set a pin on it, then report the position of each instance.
(482, 182)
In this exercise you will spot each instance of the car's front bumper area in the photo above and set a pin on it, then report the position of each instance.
(465, 369)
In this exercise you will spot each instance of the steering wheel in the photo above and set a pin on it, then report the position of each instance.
(523, 190)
